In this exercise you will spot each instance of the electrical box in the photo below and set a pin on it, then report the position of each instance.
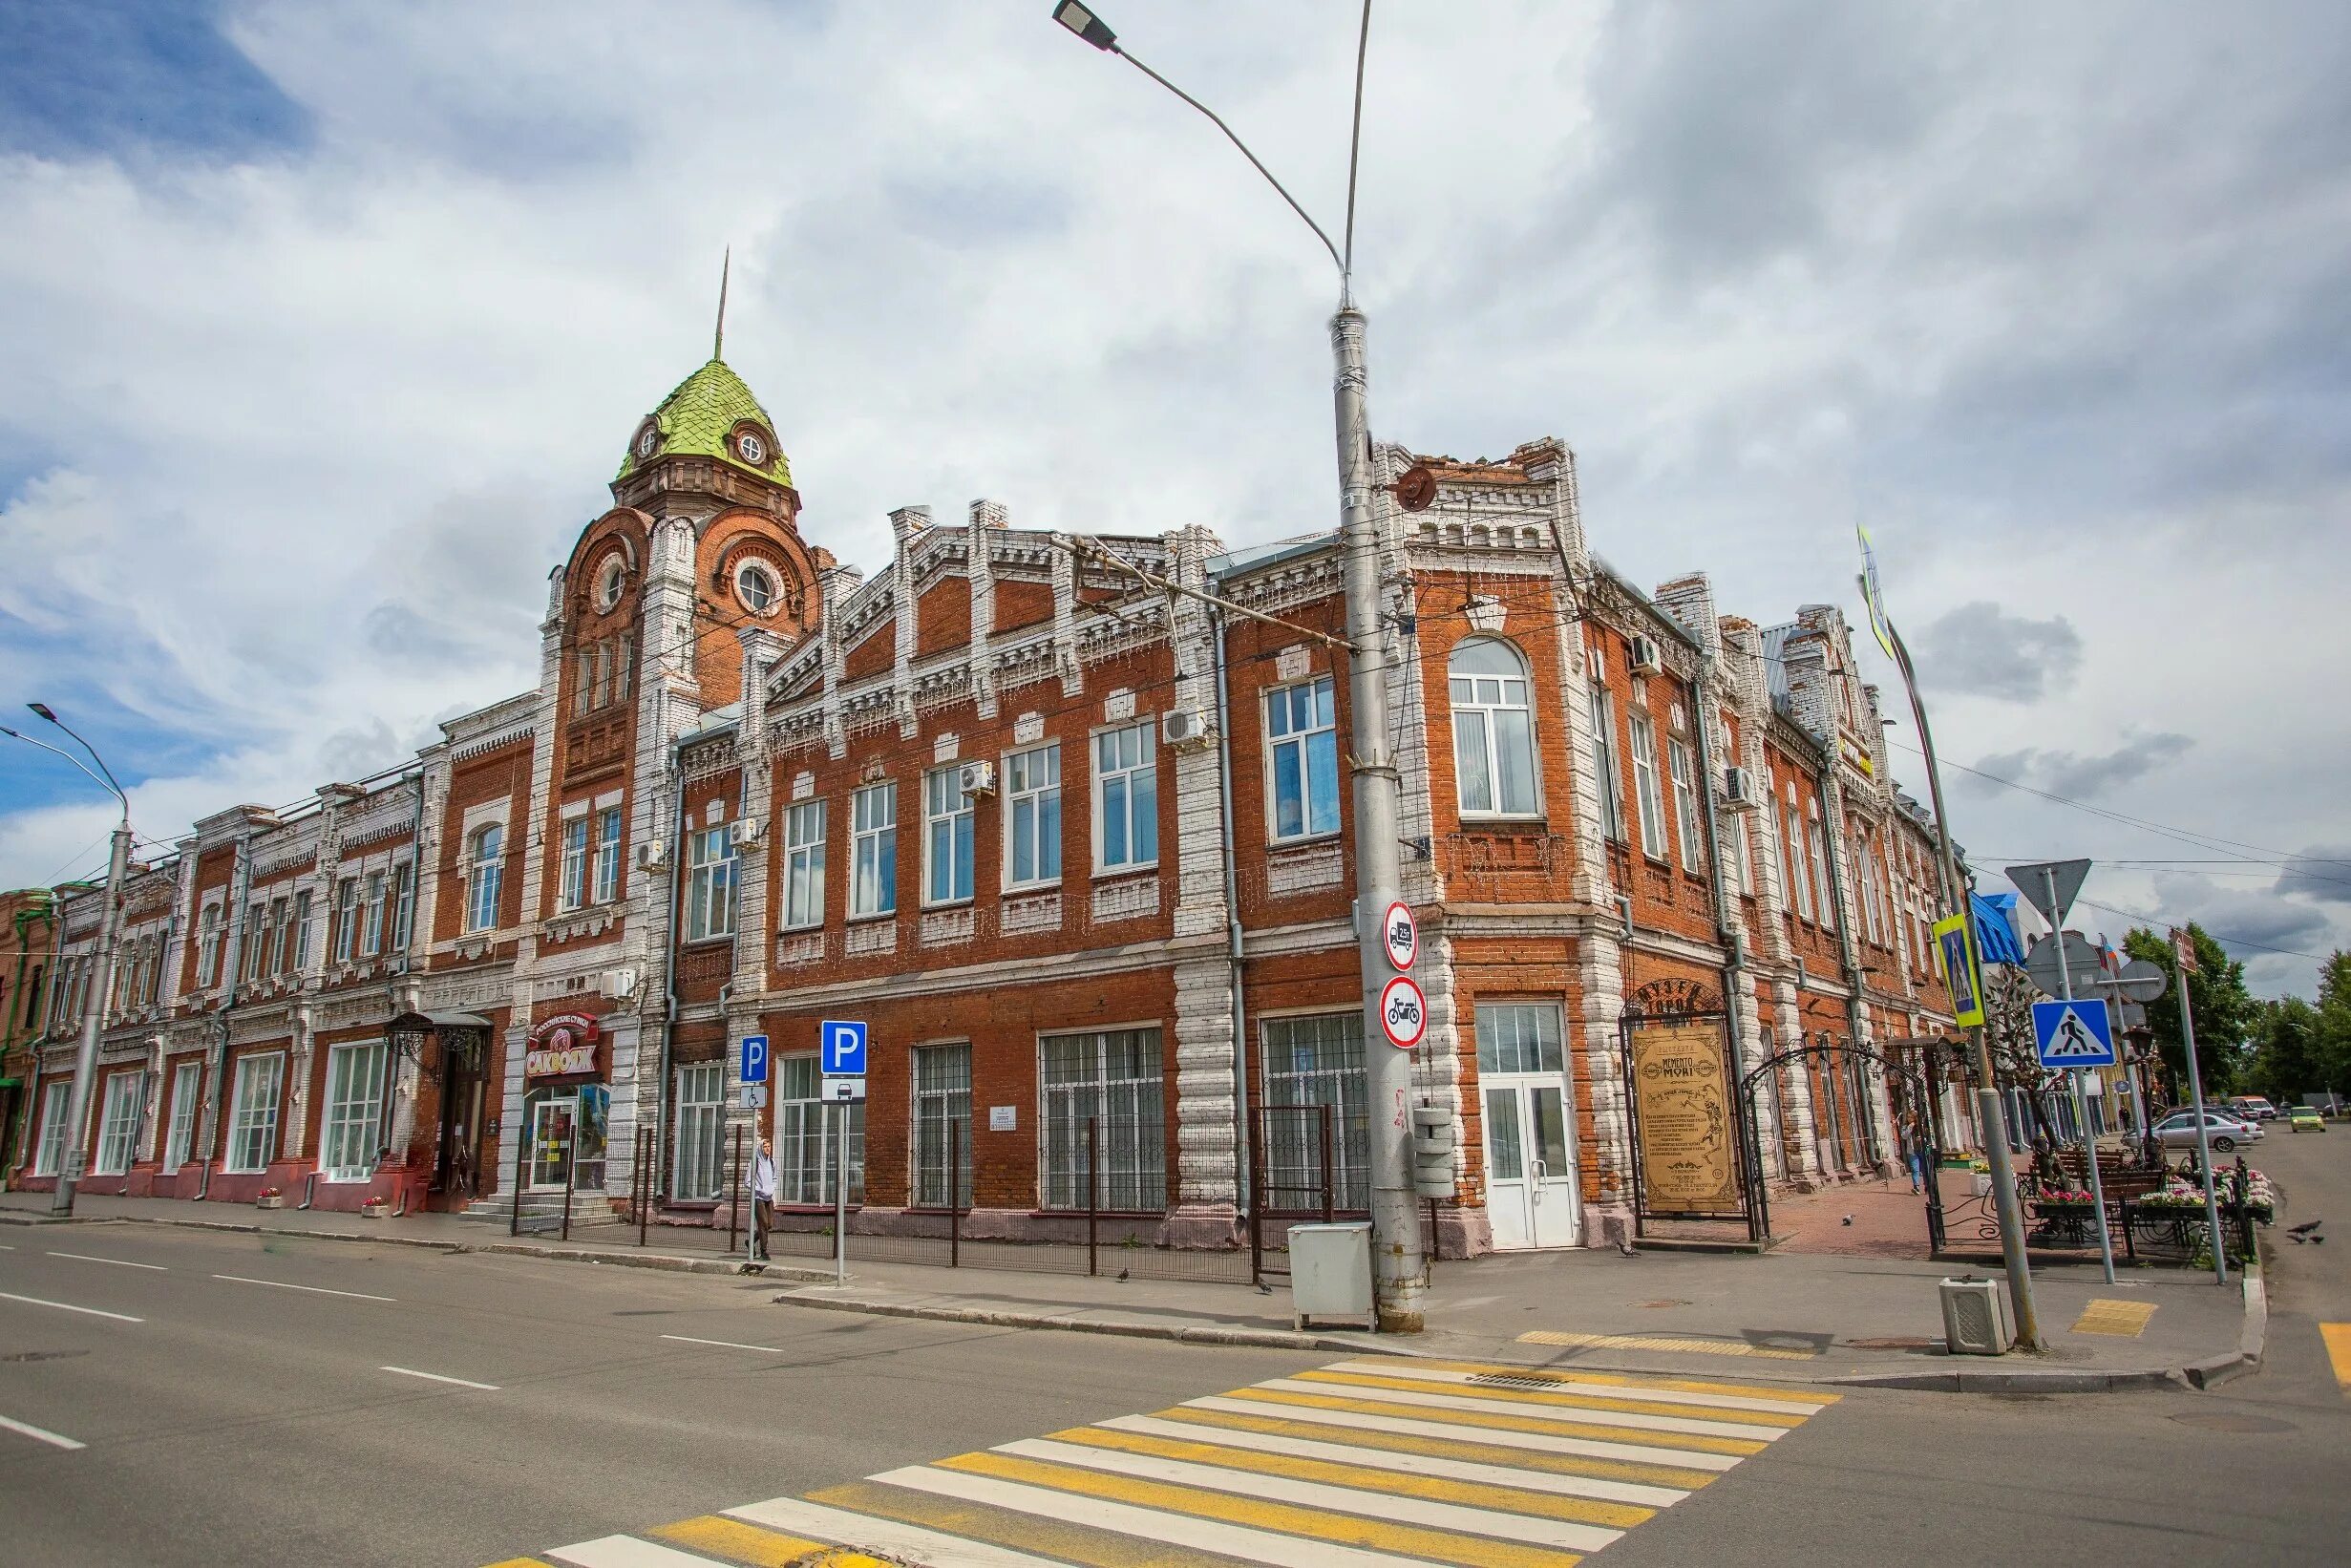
(1330, 1273)
(1976, 1317)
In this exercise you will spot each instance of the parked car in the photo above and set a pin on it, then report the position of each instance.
(2224, 1130)
(2305, 1118)
(2252, 1107)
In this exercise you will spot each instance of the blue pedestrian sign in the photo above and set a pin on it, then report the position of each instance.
(2073, 1034)
(754, 1058)
(842, 1046)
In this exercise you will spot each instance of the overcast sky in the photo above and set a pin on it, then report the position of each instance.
(324, 326)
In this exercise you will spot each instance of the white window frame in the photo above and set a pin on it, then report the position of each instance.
(808, 1139)
(1745, 834)
(804, 866)
(1033, 810)
(187, 1085)
(608, 854)
(346, 919)
(572, 885)
(1302, 740)
(950, 839)
(873, 850)
(1647, 795)
(1126, 789)
(372, 915)
(696, 1168)
(711, 878)
(1534, 1035)
(56, 1105)
(254, 1116)
(403, 904)
(351, 1115)
(1825, 892)
(485, 876)
(280, 934)
(302, 930)
(1132, 1110)
(1605, 772)
(117, 1125)
(1685, 822)
(1479, 716)
(1791, 864)
(941, 1082)
(249, 946)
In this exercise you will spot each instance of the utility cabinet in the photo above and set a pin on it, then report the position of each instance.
(1330, 1273)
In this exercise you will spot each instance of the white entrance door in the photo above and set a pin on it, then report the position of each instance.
(1530, 1164)
(553, 1122)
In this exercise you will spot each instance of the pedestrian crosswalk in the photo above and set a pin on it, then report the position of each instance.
(1362, 1464)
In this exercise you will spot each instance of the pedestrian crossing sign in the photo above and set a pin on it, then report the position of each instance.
(2073, 1034)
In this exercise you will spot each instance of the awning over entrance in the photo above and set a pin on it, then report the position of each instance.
(454, 1020)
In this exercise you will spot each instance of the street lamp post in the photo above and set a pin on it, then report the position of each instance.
(1399, 1265)
(74, 1152)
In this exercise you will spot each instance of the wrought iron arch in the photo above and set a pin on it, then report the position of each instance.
(1824, 1047)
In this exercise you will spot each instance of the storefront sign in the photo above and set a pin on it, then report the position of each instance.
(1688, 1150)
(563, 1046)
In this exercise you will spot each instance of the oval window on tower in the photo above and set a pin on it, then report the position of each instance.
(609, 582)
(755, 586)
(750, 448)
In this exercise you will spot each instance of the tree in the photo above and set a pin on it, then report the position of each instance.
(2333, 1025)
(2225, 1011)
(2287, 1061)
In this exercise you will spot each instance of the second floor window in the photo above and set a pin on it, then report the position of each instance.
(1685, 802)
(873, 886)
(281, 936)
(346, 919)
(608, 854)
(371, 916)
(484, 874)
(249, 949)
(1605, 776)
(1646, 792)
(946, 836)
(804, 864)
(1791, 864)
(573, 888)
(403, 904)
(1494, 729)
(709, 884)
(1126, 799)
(1302, 739)
(1032, 803)
(1821, 879)
(208, 947)
(302, 930)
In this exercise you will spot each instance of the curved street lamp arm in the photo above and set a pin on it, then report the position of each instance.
(108, 782)
(112, 782)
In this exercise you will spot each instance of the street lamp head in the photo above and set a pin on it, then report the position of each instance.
(42, 708)
(1082, 21)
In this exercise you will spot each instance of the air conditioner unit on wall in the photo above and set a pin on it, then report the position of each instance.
(653, 855)
(620, 985)
(977, 778)
(1184, 727)
(743, 832)
(1738, 786)
(1645, 657)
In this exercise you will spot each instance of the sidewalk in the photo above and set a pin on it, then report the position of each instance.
(1784, 1315)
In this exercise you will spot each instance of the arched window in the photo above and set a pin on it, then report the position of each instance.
(1494, 731)
(482, 877)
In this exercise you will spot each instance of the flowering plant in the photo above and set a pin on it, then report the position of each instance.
(2062, 1194)
(270, 1191)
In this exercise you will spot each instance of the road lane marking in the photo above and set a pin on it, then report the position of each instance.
(742, 1542)
(43, 1434)
(1565, 1400)
(435, 1377)
(891, 1536)
(2338, 1337)
(1406, 1437)
(69, 1306)
(1658, 1430)
(729, 1345)
(316, 1290)
(1664, 1342)
(118, 1262)
(2120, 1318)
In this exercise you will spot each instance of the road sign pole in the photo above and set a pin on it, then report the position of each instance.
(2081, 1101)
(2196, 1096)
(841, 1205)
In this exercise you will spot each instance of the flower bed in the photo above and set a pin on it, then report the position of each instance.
(2261, 1197)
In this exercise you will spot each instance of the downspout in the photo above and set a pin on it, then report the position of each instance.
(391, 988)
(669, 959)
(1232, 930)
(1832, 833)
(231, 961)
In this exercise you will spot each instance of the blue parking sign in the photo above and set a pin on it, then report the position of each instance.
(754, 1058)
(841, 1043)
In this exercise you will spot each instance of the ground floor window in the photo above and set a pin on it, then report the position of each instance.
(1310, 1063)
(253, 1127)
(941, 1101)
(1114, 1079)
(566, 1125)
(808, 1137)
(701, 1098)
(56, 1102)
(117, 1125)
(355, 1111)
(186, 1079)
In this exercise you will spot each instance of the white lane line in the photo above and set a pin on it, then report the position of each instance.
(69, 1306)
(435, 1377)
(42, 1434)
(627, 1552)
(728, 1344)
(1555, 1384)
(316, 1290)
(118, 1262)
(1581, 1416)
(872, 1533)
(1452, 1432)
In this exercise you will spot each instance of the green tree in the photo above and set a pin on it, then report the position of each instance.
(2286, 1055)
(2225, 1011)
(2333, 1046)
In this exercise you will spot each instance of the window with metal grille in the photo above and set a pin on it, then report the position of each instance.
(1303, 750)
(1033, 804)
(355, 1111)
(253, 1126)
(118, 1124)
(804, 864)
(1114, 1078)
(808, 1135)
(941, 1101)
(1519, 1037)
(1312, 1063)
(701, 1088)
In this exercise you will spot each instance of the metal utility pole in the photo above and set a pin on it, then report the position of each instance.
(2081, 1101)
(1399, 1265)
(2184, 955)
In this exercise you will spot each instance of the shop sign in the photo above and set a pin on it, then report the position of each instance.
(1688, 1157)
(563, 1046)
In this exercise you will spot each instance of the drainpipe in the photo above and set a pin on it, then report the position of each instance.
(391, 988)
(669, 955)
(232, 960)
(1232, 930)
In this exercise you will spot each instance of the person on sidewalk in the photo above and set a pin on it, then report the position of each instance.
(1913, 1143)
(762, 1198)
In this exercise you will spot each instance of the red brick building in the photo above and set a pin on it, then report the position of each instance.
(1076, 851)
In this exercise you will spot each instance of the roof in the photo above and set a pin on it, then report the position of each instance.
(698, 415)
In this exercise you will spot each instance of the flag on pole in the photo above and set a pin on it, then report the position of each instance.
(1874, 599)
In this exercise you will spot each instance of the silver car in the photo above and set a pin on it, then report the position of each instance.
(2179, 1130)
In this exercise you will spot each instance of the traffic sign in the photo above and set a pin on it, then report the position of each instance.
(1956, 941)
(841, 1043)
(2142, 980)
(1400, 935)
(754, 1059)
(754, 1096)
(842, 1090)
(1404, 1012)
(2073, 1034)
(2050, 885)
(2184, 952)
(2041, 963)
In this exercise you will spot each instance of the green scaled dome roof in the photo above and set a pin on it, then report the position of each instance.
(699, 415)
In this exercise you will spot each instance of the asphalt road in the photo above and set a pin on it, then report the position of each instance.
(238, 1420)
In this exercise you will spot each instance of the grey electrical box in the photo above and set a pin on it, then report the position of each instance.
(1976, 1317)
(1330, 1272)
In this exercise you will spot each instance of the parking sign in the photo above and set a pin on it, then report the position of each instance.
(841, 1043)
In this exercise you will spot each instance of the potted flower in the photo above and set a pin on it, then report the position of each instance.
(375, 1207)
(2050, 1195)
(269, 1197)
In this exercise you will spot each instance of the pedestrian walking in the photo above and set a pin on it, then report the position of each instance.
(1913, 1138)
(762, 1198)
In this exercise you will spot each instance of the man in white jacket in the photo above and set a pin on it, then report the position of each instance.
(762, 1198)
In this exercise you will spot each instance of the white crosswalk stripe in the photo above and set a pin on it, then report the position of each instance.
(1362, 1464)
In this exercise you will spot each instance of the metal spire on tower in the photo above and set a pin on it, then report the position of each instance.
(718, 338)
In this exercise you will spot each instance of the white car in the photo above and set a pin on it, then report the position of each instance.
(2179, 1130)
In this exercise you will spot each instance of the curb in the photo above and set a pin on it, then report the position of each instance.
(2250, 1340)
(1268, 1338)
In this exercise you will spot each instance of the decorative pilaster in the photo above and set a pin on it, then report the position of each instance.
(980, 661)
(904, 524)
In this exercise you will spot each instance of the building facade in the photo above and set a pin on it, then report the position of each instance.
(1078, 851)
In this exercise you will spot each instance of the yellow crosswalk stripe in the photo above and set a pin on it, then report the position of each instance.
(1665, 1341)
(1658, 1444)
(1483, 1403)
(2123, 1320)
(1565, 1398)
(1727, 1396)
(1060, 1540)
(873, 1532)
(2338, 1338)
(523, 1562)
(741, 1542)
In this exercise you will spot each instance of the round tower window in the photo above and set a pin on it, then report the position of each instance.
(750, 448)
(649, 438)
(755, 586)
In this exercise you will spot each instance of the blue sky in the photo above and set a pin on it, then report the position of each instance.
(326, 325)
